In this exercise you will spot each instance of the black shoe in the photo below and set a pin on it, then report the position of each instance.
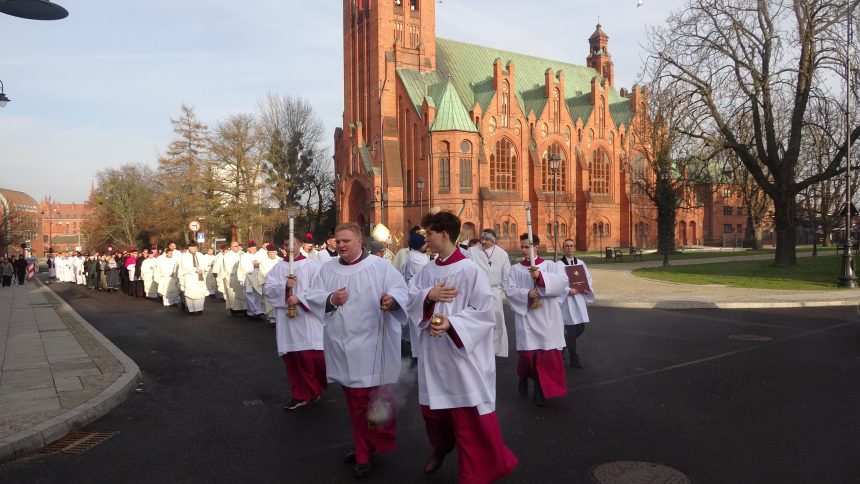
(434, 462)
(295, 403)
(523, 387)
(361, 470)
(540, 401)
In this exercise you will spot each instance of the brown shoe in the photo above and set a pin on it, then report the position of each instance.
(434, 462)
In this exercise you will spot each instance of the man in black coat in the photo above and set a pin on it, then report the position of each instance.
(20, 266)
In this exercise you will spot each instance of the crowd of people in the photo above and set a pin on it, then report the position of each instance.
(13, 268)
(347, 312)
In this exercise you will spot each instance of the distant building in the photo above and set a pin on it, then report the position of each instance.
(434, 124)
(727, 221)
(20, 231)
(62, 225)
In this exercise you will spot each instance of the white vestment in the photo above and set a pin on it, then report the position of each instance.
(305, 331)
(234, 293)
(147, 274)
(323, 256)
(540, 328)
(451, 376)
(497, 266)
(193, 277)
(168, 283)
(217, 264)
(414, 263)
(250, 277)
(400, 258)
(362, 342)
(573, 309)
(266, 266)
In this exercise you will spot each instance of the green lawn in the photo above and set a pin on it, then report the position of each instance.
(811, 273)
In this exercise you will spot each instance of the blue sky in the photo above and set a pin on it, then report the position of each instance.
(97, 89)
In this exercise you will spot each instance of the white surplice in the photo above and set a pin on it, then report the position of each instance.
(234, 293)
(190, 279)
(573, 309)
(448, 376)
(305, 331)
(497, 266)
(165, 274)
(362, 342)
(147, 275)
(540, 328)
(266, 265)
(250, 277)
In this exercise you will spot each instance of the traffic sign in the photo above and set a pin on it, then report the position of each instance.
(194, 226)
(201, 237)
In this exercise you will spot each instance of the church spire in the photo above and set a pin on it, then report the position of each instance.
(599, 57)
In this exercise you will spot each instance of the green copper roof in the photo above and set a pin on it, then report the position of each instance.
(451, 115)
(471, 70)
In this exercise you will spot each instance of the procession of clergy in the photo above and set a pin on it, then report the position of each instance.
(342, 314)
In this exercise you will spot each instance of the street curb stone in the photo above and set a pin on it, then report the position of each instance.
(43, 434)
(719, 305)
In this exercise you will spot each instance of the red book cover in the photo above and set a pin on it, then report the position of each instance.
(576, 278)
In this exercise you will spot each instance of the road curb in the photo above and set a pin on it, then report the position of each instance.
(668, 304)
(41, 435)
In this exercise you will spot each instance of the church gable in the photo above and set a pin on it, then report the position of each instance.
(471, 70)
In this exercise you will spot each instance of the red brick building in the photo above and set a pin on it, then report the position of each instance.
(19, 224)
(436, 124)
(62, 225)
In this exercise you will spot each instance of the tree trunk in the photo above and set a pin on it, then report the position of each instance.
(785, 221)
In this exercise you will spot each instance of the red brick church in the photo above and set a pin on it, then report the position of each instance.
(437, 124)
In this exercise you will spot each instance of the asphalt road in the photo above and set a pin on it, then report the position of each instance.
(678, 388)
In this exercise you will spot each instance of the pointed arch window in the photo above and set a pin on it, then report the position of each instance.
(465, 167)
(550, 180)
(444, 167)
(503, 166)
(598, 169)
(506, 104)
(601, 118)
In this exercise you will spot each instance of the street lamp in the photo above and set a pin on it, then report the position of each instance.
(554, 163)
(663, 186)
(3, 99)
(33, 9)
(847, 279)
(420, 183)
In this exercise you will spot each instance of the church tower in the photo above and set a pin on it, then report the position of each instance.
(379, 37)
(599, 57)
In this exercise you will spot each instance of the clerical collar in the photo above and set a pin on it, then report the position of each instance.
(332, 253)
(527, 263)
(358, 259)
(455, 256)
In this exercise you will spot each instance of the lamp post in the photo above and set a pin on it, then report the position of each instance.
(3, 99)
(847, 279)
(554, 162)
(662, 196)
(421, 184)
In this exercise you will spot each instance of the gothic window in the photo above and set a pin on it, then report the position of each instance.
(444, 167)
(550, 180)
(601, 118)
(503, 166)
(567, 135)
(465, 167)
(414, 36)
(492, 126)
(590, 138)
(543, 130)
(398, 32)
(506, 103)
(517, 127)
(413, 5)
(556, 111)
(599, 171)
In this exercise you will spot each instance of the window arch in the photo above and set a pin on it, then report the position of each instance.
(506, 104)
(465, 166)
(444, 166)
(559, 183)
(503, 166)
(598, 169)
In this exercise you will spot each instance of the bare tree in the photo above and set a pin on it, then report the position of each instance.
(121, 207)
(238, 175)
(764, 61)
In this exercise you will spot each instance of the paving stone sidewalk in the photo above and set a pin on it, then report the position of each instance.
(57, 373)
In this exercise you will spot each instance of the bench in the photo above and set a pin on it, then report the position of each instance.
(617, 253)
